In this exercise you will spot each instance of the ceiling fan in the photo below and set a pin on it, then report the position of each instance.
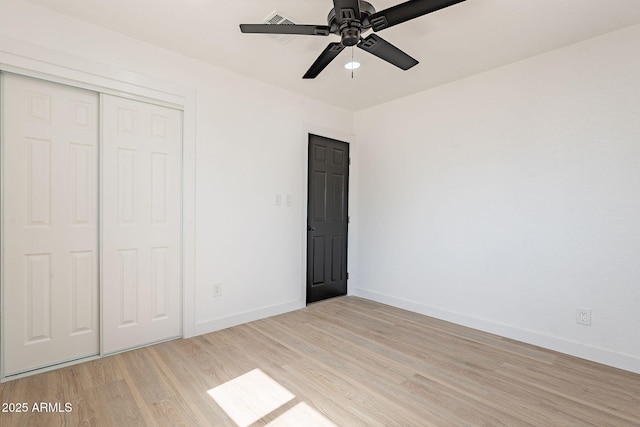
(350, 19)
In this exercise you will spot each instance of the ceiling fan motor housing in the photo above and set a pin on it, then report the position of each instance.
(350, 35)
(347, 18)
(351, 26)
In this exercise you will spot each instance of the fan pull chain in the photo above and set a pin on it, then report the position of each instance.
(352, 62)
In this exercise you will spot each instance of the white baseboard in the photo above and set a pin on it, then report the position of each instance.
(204, 327)
(594, 354)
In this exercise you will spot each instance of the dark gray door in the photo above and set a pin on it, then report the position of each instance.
(327, 218)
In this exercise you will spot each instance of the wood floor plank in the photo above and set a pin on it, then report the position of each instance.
(351, 361)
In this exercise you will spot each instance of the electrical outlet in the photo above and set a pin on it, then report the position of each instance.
(583, 316)
(217, 289)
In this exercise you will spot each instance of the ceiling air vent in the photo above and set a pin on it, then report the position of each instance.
(277, 18)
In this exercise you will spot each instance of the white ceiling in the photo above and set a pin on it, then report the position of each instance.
(456, 42)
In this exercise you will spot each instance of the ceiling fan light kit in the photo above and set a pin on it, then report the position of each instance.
(350, 19)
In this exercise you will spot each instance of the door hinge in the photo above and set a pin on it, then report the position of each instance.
(349, 219)
(347, 276)
(349, 161)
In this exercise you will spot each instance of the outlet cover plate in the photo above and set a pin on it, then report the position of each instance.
(583, 316)
(217, 289)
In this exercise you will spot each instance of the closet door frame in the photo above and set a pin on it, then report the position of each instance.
(33, 61)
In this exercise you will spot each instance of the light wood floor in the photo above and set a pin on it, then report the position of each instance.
(353, 361)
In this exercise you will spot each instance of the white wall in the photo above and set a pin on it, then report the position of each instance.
(506, 200)
(250, 145)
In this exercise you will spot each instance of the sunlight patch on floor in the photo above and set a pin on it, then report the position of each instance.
(250, 396)
(254, 395)
(301, 415)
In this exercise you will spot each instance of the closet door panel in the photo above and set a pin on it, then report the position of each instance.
(50, 231)
(141, 223)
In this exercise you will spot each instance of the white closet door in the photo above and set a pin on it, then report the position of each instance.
(141, 206)
(50, 253)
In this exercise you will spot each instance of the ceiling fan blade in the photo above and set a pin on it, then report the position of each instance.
(381, 48)
(405, 11)
(305, 30)
(346, 10)
(323, 60)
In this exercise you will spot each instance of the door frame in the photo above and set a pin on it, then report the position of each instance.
(46, 64)
(326, 132)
